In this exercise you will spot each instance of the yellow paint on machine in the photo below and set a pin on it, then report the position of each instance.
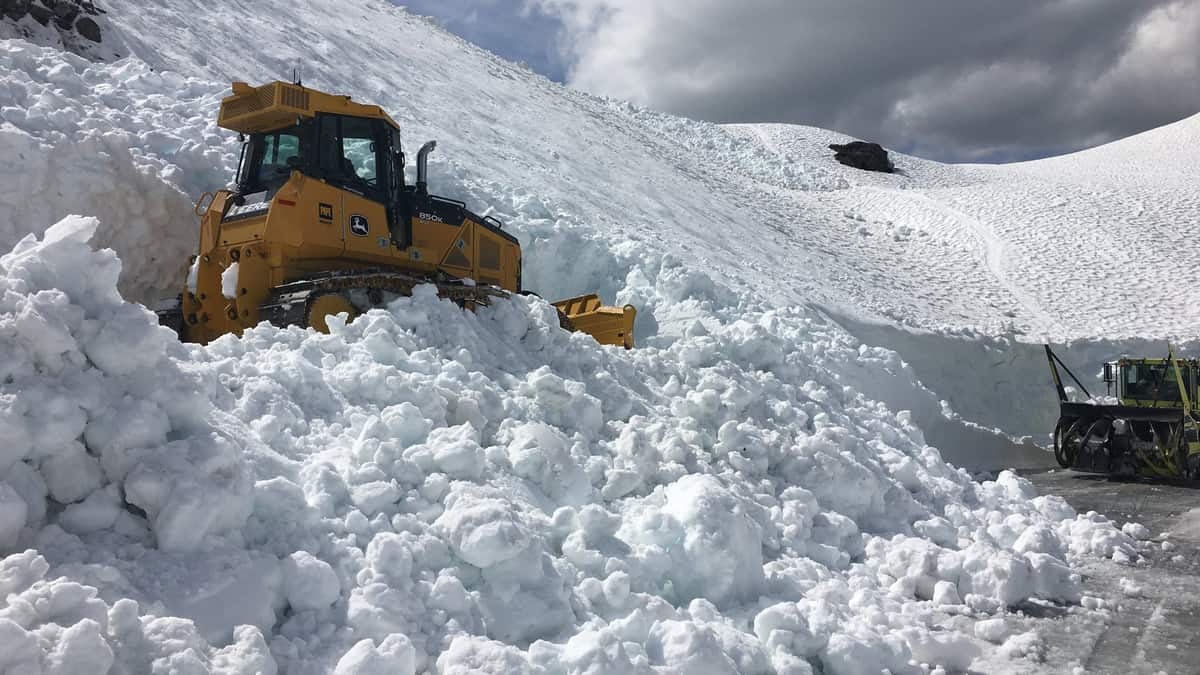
(309, 222)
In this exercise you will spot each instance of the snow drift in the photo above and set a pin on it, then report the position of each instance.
(482, 488)
(430, 489)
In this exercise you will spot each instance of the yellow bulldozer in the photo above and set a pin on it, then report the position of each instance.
(321, 221)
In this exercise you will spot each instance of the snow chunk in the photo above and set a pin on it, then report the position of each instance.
(1028, 645)
(1136, 530)
(992, 630)
(483, 531)
(395, 654)
(456, 451)
(471, 655)
(13, 511)
(711, 536)
(193, 275)
(309, 582)
(949, 649)
(72, 474)
(946, 593)
(389, 556)
(1131, 589)
(81, 650)
(592, 651)
(375, 496)
(688, 647)
(229, 282)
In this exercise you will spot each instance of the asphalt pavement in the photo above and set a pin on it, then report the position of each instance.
(1152, 630)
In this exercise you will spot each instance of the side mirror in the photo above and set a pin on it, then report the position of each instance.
(1109, 375)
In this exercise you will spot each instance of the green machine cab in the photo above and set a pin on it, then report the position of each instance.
(1146, 425)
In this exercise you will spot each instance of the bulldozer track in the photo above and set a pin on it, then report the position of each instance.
(289, 303)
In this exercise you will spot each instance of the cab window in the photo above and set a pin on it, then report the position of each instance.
(352, 153)
(1145, 381)
(278, 148)
(269, 159)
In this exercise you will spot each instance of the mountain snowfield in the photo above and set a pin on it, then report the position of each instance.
(770, 483)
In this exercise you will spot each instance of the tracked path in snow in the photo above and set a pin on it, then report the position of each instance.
(892, 231)
(995, 253)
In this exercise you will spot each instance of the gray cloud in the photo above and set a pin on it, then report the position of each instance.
(961, 81)
(515, 29)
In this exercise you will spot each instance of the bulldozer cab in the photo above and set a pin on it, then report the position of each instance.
(1153, 383)
(360, 155)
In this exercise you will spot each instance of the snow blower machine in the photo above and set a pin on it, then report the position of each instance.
(322, 222)
(1145, 426)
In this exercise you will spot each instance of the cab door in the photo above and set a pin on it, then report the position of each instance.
(354, 159)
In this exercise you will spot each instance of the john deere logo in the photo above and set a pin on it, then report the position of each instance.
(359, 225)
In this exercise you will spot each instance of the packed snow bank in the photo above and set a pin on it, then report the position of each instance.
(129, 145)
(95, 403)
(998, 382)
(434, 486)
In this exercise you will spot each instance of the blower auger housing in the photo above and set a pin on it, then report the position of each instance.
(1147, 425)
(322, 222)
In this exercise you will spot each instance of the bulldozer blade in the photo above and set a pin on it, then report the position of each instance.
(609, 325)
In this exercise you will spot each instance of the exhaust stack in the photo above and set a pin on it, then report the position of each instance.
(422, 159)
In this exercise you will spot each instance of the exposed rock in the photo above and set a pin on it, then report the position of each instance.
(14, 9)
(40, 14)
(65, 14)
(866, 156)
(72, 19)
(88, 29)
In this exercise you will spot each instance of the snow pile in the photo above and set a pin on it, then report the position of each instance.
(434, 486)
(60, 626)
(106, 437)
(118, 141)
(95, 412)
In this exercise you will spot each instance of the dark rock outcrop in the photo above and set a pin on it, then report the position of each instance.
(40, 13)
(88, 29)
(14, 9)
(865, 156)
(70, 17)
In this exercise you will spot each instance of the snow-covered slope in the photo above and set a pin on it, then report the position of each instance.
(1085, 245)
(754, 490)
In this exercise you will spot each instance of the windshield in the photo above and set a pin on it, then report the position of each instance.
(270, 158)
(1149, 382)
(349, 152)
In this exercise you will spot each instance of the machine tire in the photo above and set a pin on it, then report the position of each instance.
(1181, 453)
(326, 304)
(1064, 432)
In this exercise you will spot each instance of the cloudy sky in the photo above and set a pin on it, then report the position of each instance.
(964, 80)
